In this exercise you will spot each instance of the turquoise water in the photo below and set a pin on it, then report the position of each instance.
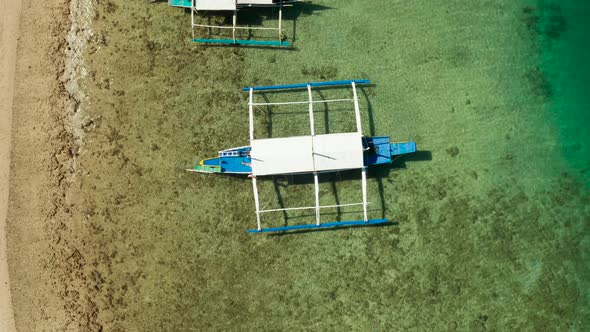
(565, 39)
(564, 28)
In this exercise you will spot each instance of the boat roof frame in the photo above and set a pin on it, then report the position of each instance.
(279, 42)
(317, 207)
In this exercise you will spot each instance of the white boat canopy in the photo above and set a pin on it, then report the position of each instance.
(215, 4)
(307, 154)
(228, 4)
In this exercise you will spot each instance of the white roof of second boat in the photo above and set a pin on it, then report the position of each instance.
(305, 154)
(228, 4)
(216, 4)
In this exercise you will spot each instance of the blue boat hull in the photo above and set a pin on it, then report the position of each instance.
(378, 150)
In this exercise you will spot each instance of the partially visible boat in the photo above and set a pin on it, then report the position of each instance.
(233, 6)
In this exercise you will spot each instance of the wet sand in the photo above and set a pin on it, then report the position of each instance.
(10, 11)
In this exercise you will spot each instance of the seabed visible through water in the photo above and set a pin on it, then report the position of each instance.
(490, 220)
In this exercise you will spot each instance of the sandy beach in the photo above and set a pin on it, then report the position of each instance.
(10, 11)
(46, 281)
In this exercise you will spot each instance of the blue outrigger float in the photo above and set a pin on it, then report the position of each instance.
(201, 6)
(307, 154)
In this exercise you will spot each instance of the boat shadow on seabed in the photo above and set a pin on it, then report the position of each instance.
(323, 156)
(379, 173)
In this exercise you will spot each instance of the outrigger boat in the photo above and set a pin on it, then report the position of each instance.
(233, 6)
(307, 154)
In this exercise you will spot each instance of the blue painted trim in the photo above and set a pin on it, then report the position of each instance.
(304, 85)
(243, 42)
(180, 3)
(402, 148)
(327, 225)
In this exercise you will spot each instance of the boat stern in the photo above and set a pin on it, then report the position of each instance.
(402, 148)
(379, 150)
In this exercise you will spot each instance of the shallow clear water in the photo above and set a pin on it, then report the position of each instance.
(490, 220)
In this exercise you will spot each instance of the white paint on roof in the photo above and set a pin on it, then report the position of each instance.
(215, 4)
(282, 155)
(254, 2)
(338, 151)
(228, 4)
(305, 154)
